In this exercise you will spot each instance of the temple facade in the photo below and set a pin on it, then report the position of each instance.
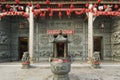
(88, 31)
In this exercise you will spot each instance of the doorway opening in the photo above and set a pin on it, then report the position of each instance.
(23, 46)
(98, 45)
(60, 49)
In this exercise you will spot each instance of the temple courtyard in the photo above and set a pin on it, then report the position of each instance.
(41, 71)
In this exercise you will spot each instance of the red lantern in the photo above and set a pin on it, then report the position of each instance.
(4, 10)
(38, 6)
(44, 14)
(86, 5)
(68, 13)
(7, 6)
(26, 15)
(119, 9)
(20, 8)
(30, 4)
(60, 14)
(110, 9)
(99, 1)
(35, 13)
(116, 6)
(71, 6)
(11, 10)
(41, 14)
(51, 14)
(33, 10)
(95, 5)
(59, 5)
(49, 9)
(47, 2)
(17, 1)
(105, 6)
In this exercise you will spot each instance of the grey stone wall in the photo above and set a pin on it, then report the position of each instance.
(115, 38)
(4, 40)
(43, 47)
(10, 31)
(105, 33)
(79, 40)
(19, 28)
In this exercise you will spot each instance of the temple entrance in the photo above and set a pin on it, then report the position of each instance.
(23, 46)
(98, 45)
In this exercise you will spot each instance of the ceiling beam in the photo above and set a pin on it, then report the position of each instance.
(62, 2)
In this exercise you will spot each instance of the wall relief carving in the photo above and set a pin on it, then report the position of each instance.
(116, 37)
(3, 37)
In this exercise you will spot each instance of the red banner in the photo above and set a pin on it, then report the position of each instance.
(57, 31)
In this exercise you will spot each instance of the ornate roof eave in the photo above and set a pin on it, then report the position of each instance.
(65, 2)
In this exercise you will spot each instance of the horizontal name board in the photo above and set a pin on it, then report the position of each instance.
(57, 31)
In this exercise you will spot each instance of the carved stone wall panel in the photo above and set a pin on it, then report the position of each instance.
(44, 47)
(115, 39)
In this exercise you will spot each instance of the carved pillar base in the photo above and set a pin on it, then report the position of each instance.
(31, 60)
(89, 60)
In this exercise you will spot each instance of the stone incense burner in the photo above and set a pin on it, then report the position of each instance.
(60, 60)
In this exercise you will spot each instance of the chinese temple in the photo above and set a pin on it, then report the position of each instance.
(29, 25)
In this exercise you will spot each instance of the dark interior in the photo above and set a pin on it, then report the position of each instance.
(60, 49)
(98, 45)
(23, 46)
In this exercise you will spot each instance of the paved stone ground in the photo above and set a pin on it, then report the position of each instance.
(13, 71)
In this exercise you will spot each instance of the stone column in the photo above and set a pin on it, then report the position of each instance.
(31, 34)
(90, 34)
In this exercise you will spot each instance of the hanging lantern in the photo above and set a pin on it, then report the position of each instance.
(37, 6)
(116, 6)
(101, 25)
(99, 1)
(35, 13)
(47, 2)
(68, 13)
(71, 6)
(60, 14)
(4, 10)
(95, 5)
(105, 6)
(32, 9)
(110, 9)
(51, 14)
(29, 4)
(49, 9)
(11, 10)
(59, 5)
(41, 14)
(17, 1)
(26, 15)
(7, 6)
(86, 5)
(119, 10)
(19, 8)
(44, 14)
